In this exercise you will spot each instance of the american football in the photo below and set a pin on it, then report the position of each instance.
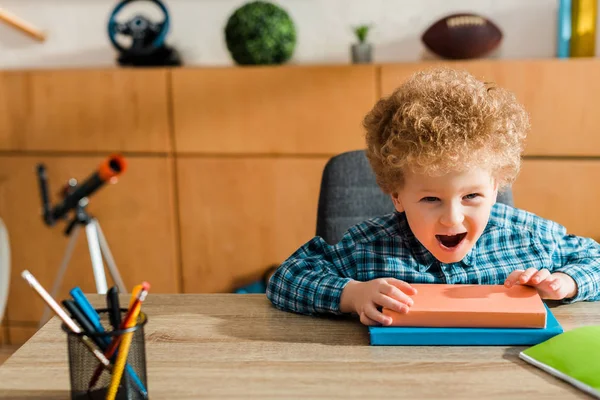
(462, 36)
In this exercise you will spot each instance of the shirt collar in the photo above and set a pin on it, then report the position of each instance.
(421, 254)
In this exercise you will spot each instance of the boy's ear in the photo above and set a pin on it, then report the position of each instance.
(397, 203)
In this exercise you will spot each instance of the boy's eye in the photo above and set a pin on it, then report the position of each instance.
(429, 199)
(471, 196)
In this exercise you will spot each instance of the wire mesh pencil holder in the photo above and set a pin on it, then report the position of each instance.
(84, 366)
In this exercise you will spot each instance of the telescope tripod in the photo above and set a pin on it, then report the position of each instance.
(97, 246)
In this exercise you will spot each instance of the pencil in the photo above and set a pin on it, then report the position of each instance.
(22, 25)
(119, 366)
(136, 302)
(28, 276)
(125, 344)
(130, 317)
(135, 292)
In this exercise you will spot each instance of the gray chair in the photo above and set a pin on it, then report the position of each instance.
(349, 194)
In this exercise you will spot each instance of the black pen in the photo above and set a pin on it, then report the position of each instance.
(112, 303)
(84, 323)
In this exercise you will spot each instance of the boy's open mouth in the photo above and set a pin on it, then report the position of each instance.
(451, 241)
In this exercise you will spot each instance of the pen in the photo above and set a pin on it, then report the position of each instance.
(87, 308)
(63, 316)
(82, 318)
(86, 325)
(136, 301)
(76, 329)
(114, 309)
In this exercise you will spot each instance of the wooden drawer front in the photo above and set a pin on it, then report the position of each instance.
(561, 97)
(291, 110)
(136, 215)
(19, 334)
(84, 110)
(240, 215)
(3, 333)
(564, 191)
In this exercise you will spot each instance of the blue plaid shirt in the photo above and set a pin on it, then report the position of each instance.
(311, 280)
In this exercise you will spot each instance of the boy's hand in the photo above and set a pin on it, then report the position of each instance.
(363, 298)
(556, 286)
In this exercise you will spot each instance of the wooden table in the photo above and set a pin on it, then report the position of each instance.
(238, 346)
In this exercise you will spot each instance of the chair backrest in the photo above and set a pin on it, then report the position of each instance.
(349, 194)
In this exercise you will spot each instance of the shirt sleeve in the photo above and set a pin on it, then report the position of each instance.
(311, 280)
(579, 258)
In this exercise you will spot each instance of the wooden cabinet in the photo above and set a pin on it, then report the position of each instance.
(136, 215)
(84, 110)
(18, 332)
(564, 191)
(240, 215)
(561, 97)
(225, 163)
(266, 110)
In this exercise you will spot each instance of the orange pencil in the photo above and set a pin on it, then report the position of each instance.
(135, 292)
(124, 349)
(135, 304)
(138, 295)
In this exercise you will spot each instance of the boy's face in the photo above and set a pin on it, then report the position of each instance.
(447, 214)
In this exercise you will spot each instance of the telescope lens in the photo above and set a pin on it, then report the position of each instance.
(111, 167)
(116, 165)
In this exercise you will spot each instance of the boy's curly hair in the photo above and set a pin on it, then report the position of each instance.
(443, 120)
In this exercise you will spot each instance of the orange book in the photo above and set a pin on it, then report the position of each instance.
(473, 306)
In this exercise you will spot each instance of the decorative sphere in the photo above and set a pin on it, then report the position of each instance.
(260, 32)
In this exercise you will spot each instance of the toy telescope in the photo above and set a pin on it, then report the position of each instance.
(107, 171)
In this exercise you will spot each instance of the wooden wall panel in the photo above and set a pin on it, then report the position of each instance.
(240, 215)
(563, 191)
(6, 352)
(562, 97)
(291, 110)
(136, 215)
(84, 110)
(19, 334)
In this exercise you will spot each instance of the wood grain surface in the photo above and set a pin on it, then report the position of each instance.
(84, 110)
(239, 346)
(265, 110)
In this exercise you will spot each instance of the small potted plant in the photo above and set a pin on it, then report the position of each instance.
(362, 51)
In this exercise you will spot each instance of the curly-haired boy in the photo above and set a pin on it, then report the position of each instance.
(441, 146)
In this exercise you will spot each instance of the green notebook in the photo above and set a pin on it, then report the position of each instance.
(573, 356)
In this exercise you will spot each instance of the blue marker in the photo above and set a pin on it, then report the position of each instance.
(89, 311)
(92, 315)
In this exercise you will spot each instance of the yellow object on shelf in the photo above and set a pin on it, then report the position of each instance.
(583, 28)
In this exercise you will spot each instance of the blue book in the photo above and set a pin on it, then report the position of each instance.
(415, 336)
(563, 31)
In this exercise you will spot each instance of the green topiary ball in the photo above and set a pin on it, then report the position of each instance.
(260, 33)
